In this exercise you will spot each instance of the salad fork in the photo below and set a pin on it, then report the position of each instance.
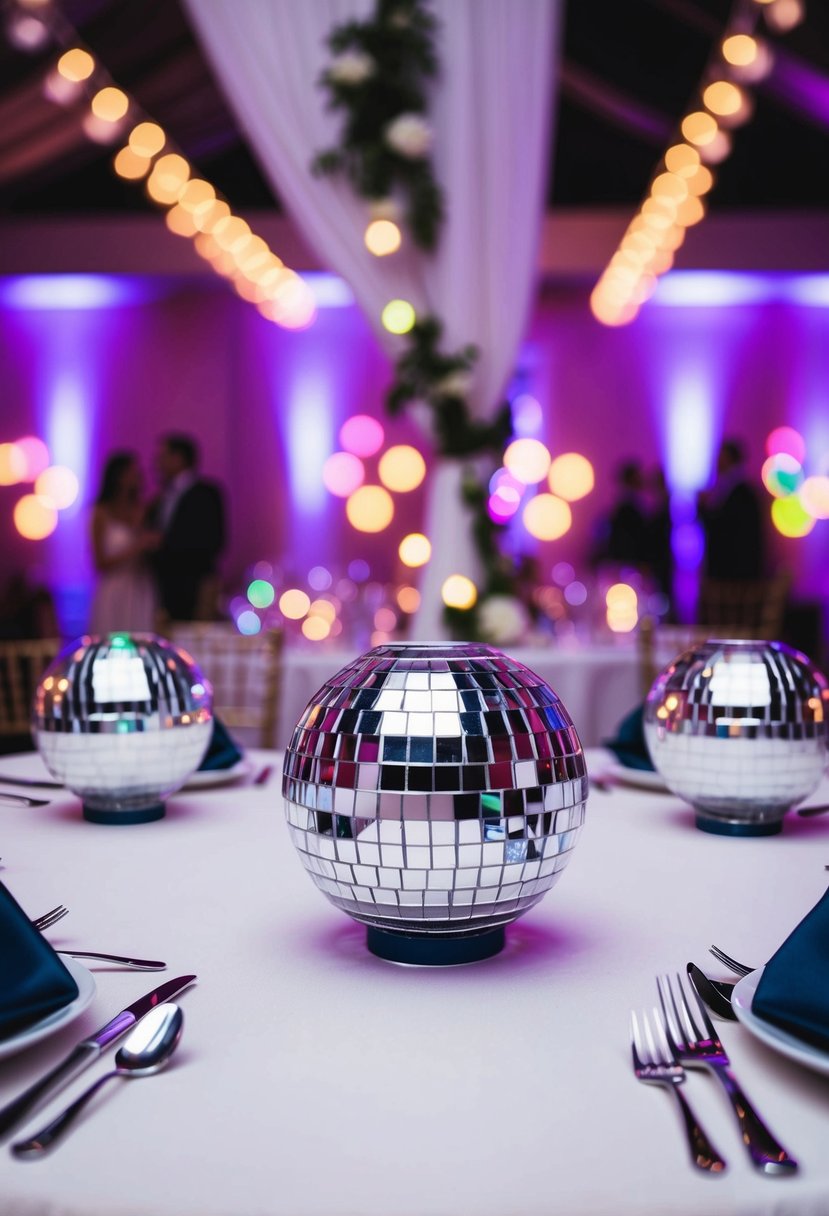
(657, 1065)
(693, 1048)
(729, 962)
(50, 918)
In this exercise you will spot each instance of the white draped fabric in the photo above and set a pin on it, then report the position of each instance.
(491, 111)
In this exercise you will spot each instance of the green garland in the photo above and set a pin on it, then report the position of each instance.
(378, 79)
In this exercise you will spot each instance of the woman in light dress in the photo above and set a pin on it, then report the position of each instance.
(125, 596)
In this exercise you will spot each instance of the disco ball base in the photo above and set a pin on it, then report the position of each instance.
(423, 950)
(140, 814)
(720, 826)
(435, 792)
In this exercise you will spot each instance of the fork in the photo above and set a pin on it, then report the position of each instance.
(133, 964)
(729, 962)
(691, 1048)
(658, 1065)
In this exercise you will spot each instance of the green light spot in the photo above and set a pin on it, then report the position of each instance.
(260, 593)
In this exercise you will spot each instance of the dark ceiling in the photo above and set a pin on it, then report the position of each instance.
(630, 68)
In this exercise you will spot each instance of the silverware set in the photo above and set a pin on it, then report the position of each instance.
(678, 1037)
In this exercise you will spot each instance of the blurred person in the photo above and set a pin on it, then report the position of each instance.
(732, 520)
(660, 537)
(189, 513)
(627, 541)
(124, 597)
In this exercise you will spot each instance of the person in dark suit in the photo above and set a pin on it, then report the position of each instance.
(732, 520)
(189, 513)
(627, 535)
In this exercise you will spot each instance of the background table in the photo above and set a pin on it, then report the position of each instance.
(598, 682)
(316, 1080)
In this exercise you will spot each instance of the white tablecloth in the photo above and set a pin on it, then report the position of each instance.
(316, 1080)
(598, 683)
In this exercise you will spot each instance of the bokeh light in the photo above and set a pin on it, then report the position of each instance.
(563, 573)
(33, 518)
(362, 435)
(320, 577)
(722, 97)
(682, 159)
(76, 64)
(699, 128)
(408, 599)
(547, 517)
(575, 593)
(398, 317)
(790, 517)
(248, 623)
(415, 550)
(13, 464)
(146, 139)
(382, 237)
(787, 440)
(527, 415)
(504, 503)
(370, 509)
(458, 591)
(402, 468)
(814, 494)
(130, 165)
(781, 474)
(527, 460)
(110, 104)
(35, 454)
(739, 50)
(57, 486)
(571, 476)
(622, 608)
(385, 619)
(343, 473)
(359, 570)
(261, 593)
(316, 628)
(323, 608)
(294, 603)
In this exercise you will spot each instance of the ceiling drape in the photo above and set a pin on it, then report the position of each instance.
(491, 112)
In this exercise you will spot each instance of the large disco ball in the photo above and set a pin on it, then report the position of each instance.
(435, 792)
(122, 721)
(738, 729)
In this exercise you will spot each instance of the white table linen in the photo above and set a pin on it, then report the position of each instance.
(316, 1080)
(598, 682)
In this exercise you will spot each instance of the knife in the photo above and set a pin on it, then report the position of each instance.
(88, 1050)
(31, 782)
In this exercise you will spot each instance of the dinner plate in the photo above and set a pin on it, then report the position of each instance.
(204, 778)
(60, 1018)
(638, 778)
(741, 1001)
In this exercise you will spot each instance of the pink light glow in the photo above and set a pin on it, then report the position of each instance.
(36, 455)
(787, 441)
(343, 473)
(362, 435)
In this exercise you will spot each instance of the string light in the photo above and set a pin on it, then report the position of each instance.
(194, 209)
(674, 201)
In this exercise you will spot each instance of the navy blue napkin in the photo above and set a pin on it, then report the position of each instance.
(793, 992)
(223, 751)
(629, 746)
(33, 980)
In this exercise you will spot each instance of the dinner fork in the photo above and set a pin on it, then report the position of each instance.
(50, 918)
(692, 1048)
(729, 962)
(657, 1065)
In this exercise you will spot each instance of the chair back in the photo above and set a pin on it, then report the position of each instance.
(244, 672)
(22, 663)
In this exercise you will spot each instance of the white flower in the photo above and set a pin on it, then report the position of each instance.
(502, 619)
(456, 384)
(351, 67)
(410, 135)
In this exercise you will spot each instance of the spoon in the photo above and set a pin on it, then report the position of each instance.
(145, 1051)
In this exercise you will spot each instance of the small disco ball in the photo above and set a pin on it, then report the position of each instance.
(435, 792)
(122, 721)
(738, 729)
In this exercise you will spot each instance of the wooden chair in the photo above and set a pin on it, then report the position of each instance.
(751, 609)
(22, 663)
(244, 672)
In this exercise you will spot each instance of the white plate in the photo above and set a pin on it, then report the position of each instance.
(742, 999)
(637, 778)
(204, 778)
(59, 1019)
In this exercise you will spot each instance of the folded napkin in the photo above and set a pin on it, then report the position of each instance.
(793, 992)
(629, 746)
(222, 752)
(33, 980)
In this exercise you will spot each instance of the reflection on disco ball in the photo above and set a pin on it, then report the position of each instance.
(122, 721)
(435, 792)
(738, 729)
